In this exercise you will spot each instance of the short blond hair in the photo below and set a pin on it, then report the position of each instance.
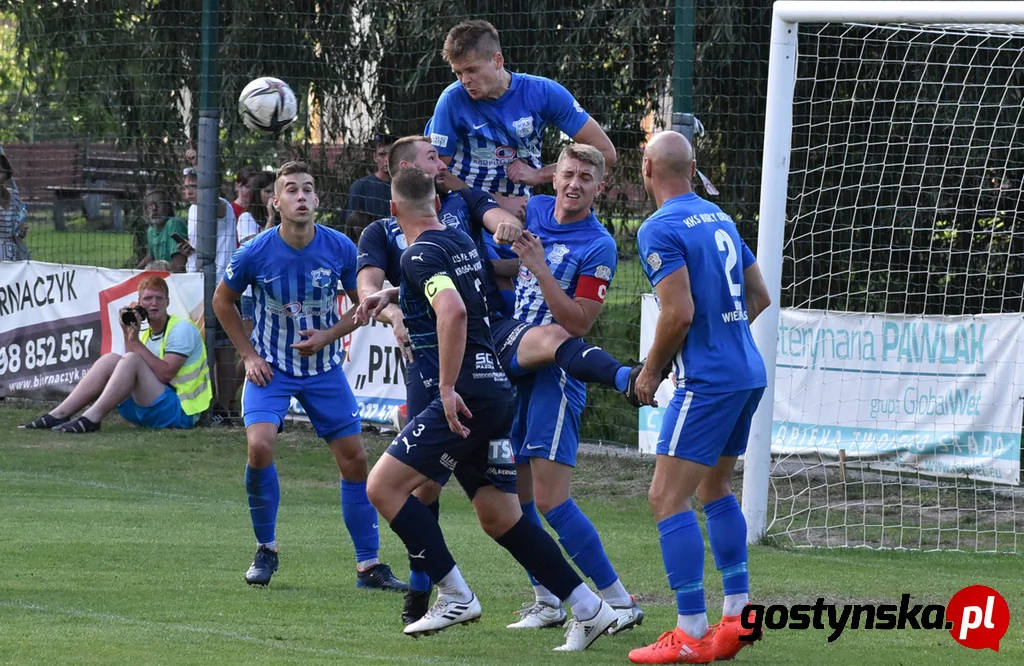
(479, 37)
(586, 154)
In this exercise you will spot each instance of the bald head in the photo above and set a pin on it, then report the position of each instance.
(668, 166)
(670, 154)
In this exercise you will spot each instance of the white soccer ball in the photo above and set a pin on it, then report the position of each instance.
(267, 105)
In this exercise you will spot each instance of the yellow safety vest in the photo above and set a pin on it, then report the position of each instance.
(192, 383)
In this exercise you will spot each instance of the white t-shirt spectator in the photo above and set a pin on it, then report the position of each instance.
(227, 242)
(246, 228)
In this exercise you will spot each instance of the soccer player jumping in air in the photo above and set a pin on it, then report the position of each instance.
(295, 350)
(709, 288)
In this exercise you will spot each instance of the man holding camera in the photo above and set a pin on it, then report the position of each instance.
(161, 381)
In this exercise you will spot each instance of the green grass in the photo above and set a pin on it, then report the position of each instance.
(79, 244)
(128, 547)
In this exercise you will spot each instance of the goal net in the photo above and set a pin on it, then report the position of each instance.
(899, 373)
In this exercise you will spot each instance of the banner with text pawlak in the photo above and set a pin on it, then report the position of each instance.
(57, 319)
(942, 396)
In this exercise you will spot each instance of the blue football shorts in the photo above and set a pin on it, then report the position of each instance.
(703, 427)
(327, 398)
(548, 408)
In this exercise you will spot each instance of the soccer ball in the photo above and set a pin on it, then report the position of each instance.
(267, 105)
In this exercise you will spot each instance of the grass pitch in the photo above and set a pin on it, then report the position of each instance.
(129, 547)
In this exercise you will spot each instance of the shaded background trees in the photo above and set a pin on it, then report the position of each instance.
(905, 199)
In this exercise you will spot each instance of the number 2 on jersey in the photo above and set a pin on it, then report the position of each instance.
(726, 245)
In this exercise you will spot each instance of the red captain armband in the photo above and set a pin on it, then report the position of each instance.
(591, 287)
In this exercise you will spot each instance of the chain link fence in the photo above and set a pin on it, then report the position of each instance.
(99, 105)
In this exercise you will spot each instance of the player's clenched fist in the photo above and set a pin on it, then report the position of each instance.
(530, 251)
(508, 233)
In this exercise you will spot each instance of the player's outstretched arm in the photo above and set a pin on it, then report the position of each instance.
(594, 135)
(755, 292)
(507, 228)
(591, 134)
(670, 333)
(317, 339)
(369, 281)
(373, 306)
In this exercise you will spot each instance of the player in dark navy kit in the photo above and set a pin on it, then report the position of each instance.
(295, 350)
(464, 430)
(380, 254)
(710, 289)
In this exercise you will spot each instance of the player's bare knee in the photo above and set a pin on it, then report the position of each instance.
(378, 490)
(350, 455)
(353, 465)
(711, 489)
(546, 503)
(260, 451)
(665, 502)
(550, 338)
(428, 492)
(496, 523)
(131, 358)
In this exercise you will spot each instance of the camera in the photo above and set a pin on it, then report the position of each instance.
(134, 316)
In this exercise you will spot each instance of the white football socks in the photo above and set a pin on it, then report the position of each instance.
(734, 604)
(583, 602)
(454, 586)
(545, 596)
(695, 626)
(616, 595)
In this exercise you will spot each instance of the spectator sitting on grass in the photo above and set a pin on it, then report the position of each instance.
(161, 225)
(161, 381)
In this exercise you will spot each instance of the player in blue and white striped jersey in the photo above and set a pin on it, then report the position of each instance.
(569, 260)
(295, 351)
(489, 125)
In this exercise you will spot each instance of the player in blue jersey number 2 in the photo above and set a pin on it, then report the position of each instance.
(709, 288)
(295, 351)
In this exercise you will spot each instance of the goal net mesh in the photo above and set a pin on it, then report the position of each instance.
(905, 225)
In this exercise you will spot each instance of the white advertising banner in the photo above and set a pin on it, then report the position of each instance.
(934, 395)
(57, 319)
(937, 395)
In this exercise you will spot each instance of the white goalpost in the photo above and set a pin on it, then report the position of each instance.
(891, 222)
